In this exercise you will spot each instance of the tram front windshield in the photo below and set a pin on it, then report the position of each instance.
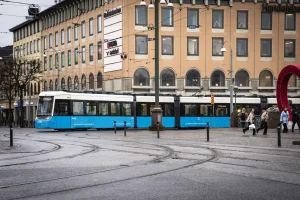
(45, 107)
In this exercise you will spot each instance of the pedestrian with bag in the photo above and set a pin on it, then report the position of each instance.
(284, 119)
(250, 120)
(243, 117)
(264, 122)
(295, 113)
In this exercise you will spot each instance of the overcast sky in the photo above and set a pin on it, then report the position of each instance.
(7, 22)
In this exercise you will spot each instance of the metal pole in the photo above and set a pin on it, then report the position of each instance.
(124, 128)
(279, 133)
(29, 105)
(115, 127)
(11, 135)
(235, 108)
(231, 93)
(207, 131)
(156, 7)
(157, 129)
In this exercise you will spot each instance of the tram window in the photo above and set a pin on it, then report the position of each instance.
(78, 108)
(168, 110)
(221, 110)
(61, 107)
(115, 109)
(144, 109)
(206, 110)
(126, 109)
(90, 108)
(191, 110)
(103, 109)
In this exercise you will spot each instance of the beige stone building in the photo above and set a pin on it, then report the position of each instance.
(109, 45)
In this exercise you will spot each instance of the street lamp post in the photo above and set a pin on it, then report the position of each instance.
(231, 82)
(156, 111)
(56, 64)
(235, 92)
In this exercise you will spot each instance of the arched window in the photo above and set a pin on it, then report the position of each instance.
(217, 79)
(35, 89)
(91, 81)
(31, 89)
(167, 77)
(192, 78)
(266, 79)
(242, 78)
(76, 83)
(39, 87)
(56, 84)
(293, 81)
(83, 82)
(45, 86)
(99, 80)
(69, 83)
(63, 83)
(51, 85)
(141, 77)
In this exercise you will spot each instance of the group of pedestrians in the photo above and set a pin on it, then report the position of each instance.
(247, 120)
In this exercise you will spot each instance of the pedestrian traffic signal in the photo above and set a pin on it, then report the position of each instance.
(212, 99)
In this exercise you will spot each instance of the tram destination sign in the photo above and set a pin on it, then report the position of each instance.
(280, 8)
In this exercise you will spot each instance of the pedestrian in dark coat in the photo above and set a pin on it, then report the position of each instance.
(295, 113)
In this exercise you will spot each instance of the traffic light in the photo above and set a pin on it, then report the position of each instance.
(212, 99)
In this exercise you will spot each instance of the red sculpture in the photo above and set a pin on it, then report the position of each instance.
(282, 86)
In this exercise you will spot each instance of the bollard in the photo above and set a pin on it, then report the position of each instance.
(279, 133)
(207, 131)
(124, 128)
(115, 127)
(11, 135)
(157, 129)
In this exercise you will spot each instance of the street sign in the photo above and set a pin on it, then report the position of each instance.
(212, 99)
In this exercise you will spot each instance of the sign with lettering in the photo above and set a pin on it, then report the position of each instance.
(279, 8)
(112, 44)
(112, 52)
(110, 13)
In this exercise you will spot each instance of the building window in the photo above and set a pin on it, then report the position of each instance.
(292, 81)
(56, 61)
(38, 45)
(193, 46)
(76, 56)
(141, 44)
(45, 86)
(217, 44)
(266, 21)
(50, 41)
(69, 83)
(62, 55)
(290, 21)
(242, 19)
(99, 24)
(91, 52)
(62, 37)
(50, 62)
(91, 32)
(217, 79)
(193, 17)
(141, 15)
(167, 16)
(83, 54)
(91, 81)
(75, 32)
(56, 84)
(76, 83)
(289, 48)
(99, 80)
(69, 58)
(242, 47)
(62, 83)
(266, 47)
(141, 77)
(34, 46)
(242, 78)
(83, 29)
(218, 19)
(51, 85)
(99, 50)
(192, 78)
(266, 79)
(56, 39)
(167, 45)
(167, 77)
(45, 63)
(30, 47)
(69, 34)
(83, 82)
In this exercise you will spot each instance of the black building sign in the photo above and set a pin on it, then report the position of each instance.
(112, 12)
(280, 8)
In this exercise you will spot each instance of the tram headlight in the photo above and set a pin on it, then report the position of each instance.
(47, 118)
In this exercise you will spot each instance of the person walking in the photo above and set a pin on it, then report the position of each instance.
(250, 120)
(295, 113)
(264, 122)
(243, 117)
(284, 119)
